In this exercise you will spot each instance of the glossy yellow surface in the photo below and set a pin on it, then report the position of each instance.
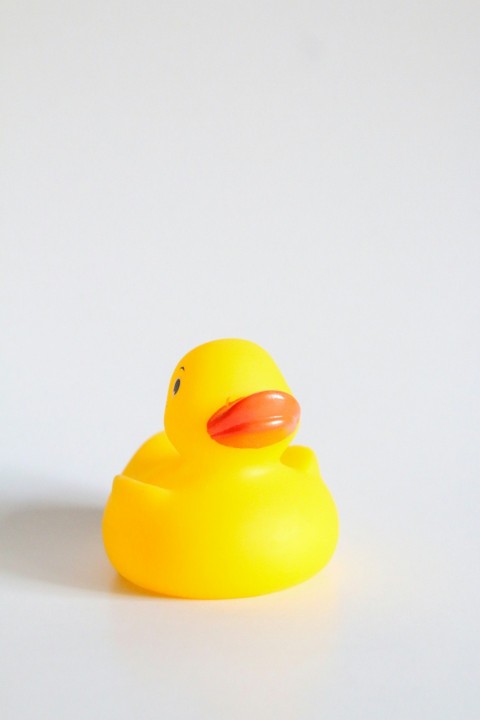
(192, 517)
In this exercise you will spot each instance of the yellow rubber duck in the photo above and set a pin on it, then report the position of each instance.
(218, 505)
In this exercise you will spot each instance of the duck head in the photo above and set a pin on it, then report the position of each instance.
(226, 399)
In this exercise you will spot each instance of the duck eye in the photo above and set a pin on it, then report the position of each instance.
(176, 387)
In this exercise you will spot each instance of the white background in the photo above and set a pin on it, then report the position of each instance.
(303, 174)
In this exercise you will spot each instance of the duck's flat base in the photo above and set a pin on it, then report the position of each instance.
(217, 544)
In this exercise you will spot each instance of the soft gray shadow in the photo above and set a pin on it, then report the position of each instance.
(60, 545)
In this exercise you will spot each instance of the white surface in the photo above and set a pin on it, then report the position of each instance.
(302, 174)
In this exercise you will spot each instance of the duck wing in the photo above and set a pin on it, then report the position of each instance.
(155, 456)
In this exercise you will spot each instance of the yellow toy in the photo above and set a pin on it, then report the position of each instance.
(219, 505)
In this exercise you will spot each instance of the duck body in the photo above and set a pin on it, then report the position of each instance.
(224, 515)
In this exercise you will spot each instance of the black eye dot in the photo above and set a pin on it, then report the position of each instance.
(176, 387)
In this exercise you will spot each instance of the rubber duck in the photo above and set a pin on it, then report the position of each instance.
(219, 505)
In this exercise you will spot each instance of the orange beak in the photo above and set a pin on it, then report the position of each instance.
(255, 421)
